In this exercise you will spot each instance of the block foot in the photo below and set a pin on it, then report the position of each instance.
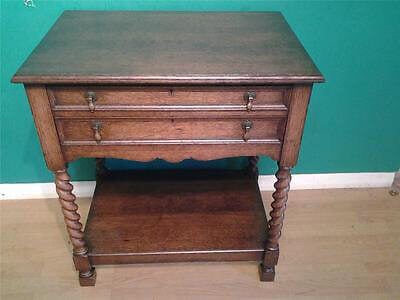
(88, 279)
(267, 273)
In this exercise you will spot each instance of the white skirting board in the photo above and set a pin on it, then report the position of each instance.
(266, 182)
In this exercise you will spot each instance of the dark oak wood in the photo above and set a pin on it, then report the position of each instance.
(87, 273)
(147, 85)
(299, 98)
(161, 113)
(101, 169)
(275, 224)
(45, 126)
(167, 216)
(163, 98)
(174, 152)
(253, 168)
(169, 48)
(123, 131)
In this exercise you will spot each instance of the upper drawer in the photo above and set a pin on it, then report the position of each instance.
(92, 98)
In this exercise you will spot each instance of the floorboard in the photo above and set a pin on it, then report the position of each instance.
(336, 244)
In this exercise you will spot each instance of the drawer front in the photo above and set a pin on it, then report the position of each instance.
(173, 131)
(94, 98)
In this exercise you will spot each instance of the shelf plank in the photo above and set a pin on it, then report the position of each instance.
(186, 215)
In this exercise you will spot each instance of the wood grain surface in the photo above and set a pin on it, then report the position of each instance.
(79, 131)
(45, 126)
(129, 97)
(169, 47)
(167, 216)
(299, 99)
(174, 152)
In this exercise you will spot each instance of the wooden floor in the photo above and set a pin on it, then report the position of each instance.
(337, 244)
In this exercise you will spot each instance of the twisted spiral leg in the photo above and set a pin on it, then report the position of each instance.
(275, 224)
(277, 214)
(101, 169)
(253, 168)
(87, 274)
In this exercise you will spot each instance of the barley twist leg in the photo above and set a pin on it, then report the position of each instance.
(101, 170)
(87, 274)
(275, 224)
(252, 166)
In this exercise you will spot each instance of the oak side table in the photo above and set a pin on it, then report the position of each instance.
(174, 86)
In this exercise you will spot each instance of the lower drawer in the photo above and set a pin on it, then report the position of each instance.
(164, 131)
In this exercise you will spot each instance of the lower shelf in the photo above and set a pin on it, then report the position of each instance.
(176, 216)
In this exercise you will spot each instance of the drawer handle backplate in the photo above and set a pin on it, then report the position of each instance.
(96, 127)
(249, 97)
(246, 126)
(91, 100)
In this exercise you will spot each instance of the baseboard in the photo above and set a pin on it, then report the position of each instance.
(42, 190)
(266, 182)
(332, 181)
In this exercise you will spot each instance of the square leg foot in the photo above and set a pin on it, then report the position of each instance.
(88, 279)
(267, 273)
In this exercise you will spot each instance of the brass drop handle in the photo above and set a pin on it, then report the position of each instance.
(250, 97)
(91, 99)
(246, 126)
(96, 127)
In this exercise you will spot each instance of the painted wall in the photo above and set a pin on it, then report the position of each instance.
(353, 123)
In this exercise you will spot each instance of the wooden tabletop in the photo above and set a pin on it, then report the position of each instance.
(169, 47)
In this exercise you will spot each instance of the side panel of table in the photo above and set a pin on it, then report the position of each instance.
(299, 99)
(55, 161)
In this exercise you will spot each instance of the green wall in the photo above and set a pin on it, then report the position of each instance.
(353, 122)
